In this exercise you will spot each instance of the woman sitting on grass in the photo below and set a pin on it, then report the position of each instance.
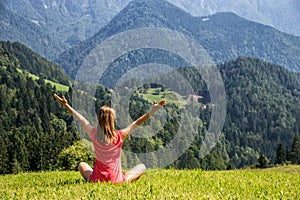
(107, 144)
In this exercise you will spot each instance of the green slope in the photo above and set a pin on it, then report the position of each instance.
(20, 56)
(58, 86)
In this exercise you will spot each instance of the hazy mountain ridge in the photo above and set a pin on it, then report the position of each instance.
(50, 27)
(282, 15)
(66, 21)
(224, 35)
(18, 29)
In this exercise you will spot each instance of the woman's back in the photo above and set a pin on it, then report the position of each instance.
(107, 165)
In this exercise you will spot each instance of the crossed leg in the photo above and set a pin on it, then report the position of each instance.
(85, 170)
(135, 172)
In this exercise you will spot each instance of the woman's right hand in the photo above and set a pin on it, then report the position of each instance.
(83, 121)
(157, 106)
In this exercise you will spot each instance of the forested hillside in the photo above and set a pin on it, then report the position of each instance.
(262, 109)
(33, 128)
(262, 113)
(24, 58)
(224, 36)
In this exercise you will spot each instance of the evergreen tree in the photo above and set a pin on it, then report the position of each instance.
(16, 167)
(4, 159)
(281, 154)
(262, 161)
(295, 151)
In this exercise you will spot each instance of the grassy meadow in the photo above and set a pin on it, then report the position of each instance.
(155, 94)
(273, 183)
(59, 87)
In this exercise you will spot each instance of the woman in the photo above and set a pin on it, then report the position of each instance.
(107, 144)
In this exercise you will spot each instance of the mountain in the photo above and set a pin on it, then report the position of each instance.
(224, 35)
(263, 105)
(282, 15)
(19, 56)
(262, 108)
(19, 29)
(64, 22)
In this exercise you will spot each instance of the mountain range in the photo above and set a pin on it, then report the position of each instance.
(224, 35)
(50, 27)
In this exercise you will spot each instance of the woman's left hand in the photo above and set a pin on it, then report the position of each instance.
(62, 100)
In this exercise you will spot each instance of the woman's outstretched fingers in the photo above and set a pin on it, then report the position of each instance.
(65, 100)
(62, 100)
(162, 102)
(57, 97)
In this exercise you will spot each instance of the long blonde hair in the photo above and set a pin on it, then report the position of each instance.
(106, 120)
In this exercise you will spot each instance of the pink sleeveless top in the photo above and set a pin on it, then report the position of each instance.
(107, 166)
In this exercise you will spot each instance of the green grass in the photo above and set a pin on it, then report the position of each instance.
(152, 95)
(59, 87)
(275, 183)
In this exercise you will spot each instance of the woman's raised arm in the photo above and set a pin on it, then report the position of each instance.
(83, 121)
(132, 127)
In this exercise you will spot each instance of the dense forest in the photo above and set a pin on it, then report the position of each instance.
(262, 121)
(31, 125)
(262, 109)
(32, 133)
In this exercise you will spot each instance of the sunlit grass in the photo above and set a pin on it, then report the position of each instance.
(155, 94)
(59, 87)
(275, 183)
